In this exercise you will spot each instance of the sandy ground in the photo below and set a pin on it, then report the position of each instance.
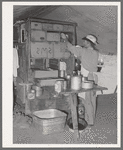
(103, 132)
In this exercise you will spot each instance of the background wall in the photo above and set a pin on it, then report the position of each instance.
(108, 75)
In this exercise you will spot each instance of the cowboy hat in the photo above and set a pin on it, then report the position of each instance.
(91, 38)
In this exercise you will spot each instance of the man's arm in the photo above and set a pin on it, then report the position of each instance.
(73, 49)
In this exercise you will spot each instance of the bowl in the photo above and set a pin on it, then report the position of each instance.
(87, 84)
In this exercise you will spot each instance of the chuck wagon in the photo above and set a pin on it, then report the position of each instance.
(40, 51)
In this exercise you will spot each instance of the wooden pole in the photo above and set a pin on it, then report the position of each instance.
(73, 99)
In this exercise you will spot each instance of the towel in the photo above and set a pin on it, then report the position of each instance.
(15, 62)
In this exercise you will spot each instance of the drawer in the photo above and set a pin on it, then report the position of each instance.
(47, 26)
(42, 50)
(37, 63)
(68, 28)
(58, 27)
(36, 25)
(57, 51)
(38, 36)
(46, 74)
(63, 46)
(39, 50)
(50, 50)
(53, 37)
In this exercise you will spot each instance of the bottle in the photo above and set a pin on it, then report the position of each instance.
(68, 77)
(74, 73)
(79, 73)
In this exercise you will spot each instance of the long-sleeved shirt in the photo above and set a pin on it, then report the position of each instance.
(88, 56)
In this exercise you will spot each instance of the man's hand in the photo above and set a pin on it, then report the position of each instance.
(63, 36)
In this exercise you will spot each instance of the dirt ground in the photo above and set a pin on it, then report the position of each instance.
(104, 130)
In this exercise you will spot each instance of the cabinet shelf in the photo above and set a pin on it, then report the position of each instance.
(56, 31)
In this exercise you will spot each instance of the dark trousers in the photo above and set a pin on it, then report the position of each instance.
(14, 96)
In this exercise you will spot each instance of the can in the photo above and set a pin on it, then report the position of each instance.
(31, 95)
(59, 86)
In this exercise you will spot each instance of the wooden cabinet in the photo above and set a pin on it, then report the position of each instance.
(40, 40)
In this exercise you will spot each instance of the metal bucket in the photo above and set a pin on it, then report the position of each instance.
(82, 124)
(49, 121)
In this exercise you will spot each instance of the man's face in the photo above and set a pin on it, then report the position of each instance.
(85, 43)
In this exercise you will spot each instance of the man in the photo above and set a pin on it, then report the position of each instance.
(88, 54)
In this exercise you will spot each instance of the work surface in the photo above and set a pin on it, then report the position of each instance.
(95, 88)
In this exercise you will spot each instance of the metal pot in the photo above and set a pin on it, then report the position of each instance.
(87, 84)
(76, 82)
